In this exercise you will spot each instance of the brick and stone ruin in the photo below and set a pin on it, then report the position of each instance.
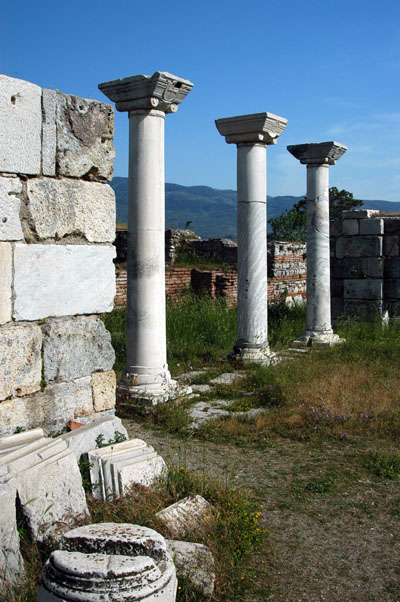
(57, 275)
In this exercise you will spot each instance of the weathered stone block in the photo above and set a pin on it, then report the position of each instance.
(75, 347)
(357, 267)
(392, 267)
(21, 132)
(50, 489)
(11, 564)
(52, 408)
(85, 130)
(392, 289)
(394, 308)
(103, 389)
(49, 132)
(391, 246)
(82, 440)
(61, 207)
(371, 226)
(20, 360)
(363, 289)
(61, 280)
(195, 562)
(392, 225)
(5, 282)
(358, 246)
(335, 227)
(350, 226)
(365, 310)
(10, 225)
(185, 515)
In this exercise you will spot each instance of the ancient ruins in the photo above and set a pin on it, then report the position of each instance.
(57, 228)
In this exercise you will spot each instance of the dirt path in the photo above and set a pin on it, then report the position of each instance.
(334, 529)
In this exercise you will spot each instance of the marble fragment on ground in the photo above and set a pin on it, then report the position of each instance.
(187, 514)
(48, 483)
(110, 562)
(194, 562)
(83, 439)
(115, 468)
(228, 378)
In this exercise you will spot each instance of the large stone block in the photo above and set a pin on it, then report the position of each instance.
(391, 247)
(359, 246)
(392, 225)
(371, 226)
(392, 267)
(61, 207)
(103, 388)
(11, 564)
(350, 226)
(392, 289)
(194, 562)
(335, 227)
(49, 487)
(21, 131)
(82, 440)
(357, 267)
(10, 225)
(75, 347)
(85, 130)
(62, 280)
(49, 132)
(20, 360)
(368, 288)
(52, 408)
(190, 513)
(5, 282)
(365, 310)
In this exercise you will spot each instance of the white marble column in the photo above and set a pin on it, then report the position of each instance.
(251, 134)
(147, 98)
(318, 158)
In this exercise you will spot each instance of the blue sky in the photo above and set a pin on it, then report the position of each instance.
(331, 68)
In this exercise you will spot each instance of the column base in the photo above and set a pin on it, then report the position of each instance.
(136, 391)
(313, 338)
(252, 355)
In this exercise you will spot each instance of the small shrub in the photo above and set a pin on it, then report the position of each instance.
(321, 484)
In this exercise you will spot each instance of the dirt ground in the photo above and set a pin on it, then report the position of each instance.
(333, 527)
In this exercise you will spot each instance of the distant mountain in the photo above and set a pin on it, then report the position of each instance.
(212, 211)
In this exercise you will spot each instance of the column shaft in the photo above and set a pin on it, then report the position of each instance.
(252, 316)
(318, 321)
(146, 362)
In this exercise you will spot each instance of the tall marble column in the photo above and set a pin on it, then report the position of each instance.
(147, 99)
(318, 158)
(252, 134)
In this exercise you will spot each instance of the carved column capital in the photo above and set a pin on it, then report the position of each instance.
(161, 91)
(322, 153)
(257, 128)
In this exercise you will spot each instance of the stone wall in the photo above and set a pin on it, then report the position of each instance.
(365, 264)
(57, 225)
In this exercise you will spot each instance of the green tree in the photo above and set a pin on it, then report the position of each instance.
(292, 224)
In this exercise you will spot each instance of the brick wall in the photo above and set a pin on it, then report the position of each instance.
(286, 277)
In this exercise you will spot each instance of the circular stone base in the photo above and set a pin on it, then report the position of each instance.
(253, 355)
(317, 339)
(150, 395)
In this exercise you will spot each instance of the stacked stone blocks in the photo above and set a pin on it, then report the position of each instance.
(57, 225)
(365, 264)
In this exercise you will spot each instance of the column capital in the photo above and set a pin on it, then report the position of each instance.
(318, 153)
(162, 91)
(257, 128)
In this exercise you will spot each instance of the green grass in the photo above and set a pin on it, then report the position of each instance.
(185, 259)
